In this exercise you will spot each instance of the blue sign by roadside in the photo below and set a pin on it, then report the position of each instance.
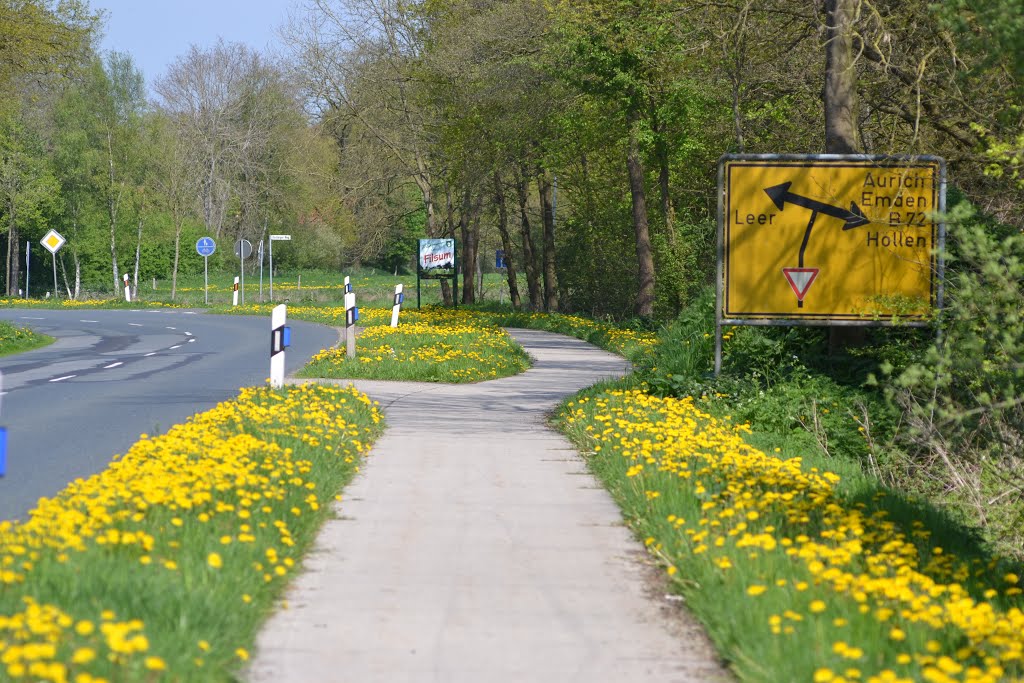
(206, 246)
(499, 259)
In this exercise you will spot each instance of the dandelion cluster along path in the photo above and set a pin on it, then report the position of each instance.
(475, 546)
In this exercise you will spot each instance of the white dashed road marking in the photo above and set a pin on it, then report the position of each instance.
(135, 324)
(113, 365)
(61, 379)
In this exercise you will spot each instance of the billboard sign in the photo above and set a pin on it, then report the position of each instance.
(826, 239)
(437, 258)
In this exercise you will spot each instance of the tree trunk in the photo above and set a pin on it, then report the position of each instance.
(427, 193)
(64, 274)
(840, 79)
(840, 117)
(449, 231)
(668, 211)
(468, 263)
(74, 253)
(548, 214)
(15, 237)
(529, 253)
(12, 240)
(644, 253)
(506, 242)
(177, 255)
(112, 214)
(78, 275)
(138, 254)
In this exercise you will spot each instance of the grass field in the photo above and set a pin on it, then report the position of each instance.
(373, 288)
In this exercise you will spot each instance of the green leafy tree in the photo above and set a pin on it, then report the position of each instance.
(29, 194)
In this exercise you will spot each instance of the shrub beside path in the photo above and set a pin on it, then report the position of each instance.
(475, 546)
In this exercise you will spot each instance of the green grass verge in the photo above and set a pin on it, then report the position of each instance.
(796, 572)
(425, 352)
(85, 303)
(375, 288)
(165, 564)
(15, 339)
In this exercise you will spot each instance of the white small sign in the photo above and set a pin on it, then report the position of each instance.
(280, 238)
(53, 241)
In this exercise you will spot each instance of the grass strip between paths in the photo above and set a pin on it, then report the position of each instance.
(165, 564)
(793, 581)
(15, 339)
(436, 344)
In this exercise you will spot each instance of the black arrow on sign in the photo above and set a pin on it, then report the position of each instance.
(853, 216)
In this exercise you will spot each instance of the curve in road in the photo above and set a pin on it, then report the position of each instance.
(114, 374)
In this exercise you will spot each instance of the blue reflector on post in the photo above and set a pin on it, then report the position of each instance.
(3, 451)
(355, 314)
(286, 339)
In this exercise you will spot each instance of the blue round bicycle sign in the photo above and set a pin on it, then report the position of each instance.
(206, 246)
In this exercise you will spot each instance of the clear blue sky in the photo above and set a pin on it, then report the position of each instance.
(156, 32)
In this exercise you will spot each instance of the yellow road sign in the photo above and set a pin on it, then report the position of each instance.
(827, 237)
(53, 241)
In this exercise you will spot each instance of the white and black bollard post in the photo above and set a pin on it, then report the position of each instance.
(346, 291)
(397, 306)
(127, 289)
(234, 294)
(351, 316)
(280, 339)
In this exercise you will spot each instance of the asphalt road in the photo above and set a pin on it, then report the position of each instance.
(112, 375)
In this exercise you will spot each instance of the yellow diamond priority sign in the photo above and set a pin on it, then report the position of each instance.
(823, 238)
(53, 241)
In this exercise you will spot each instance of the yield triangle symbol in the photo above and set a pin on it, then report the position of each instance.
(800, 280)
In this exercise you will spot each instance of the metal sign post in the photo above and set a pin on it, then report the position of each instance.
(261, 270)
(205, 246)
(270, 249)
(28, 247)
(243, 250)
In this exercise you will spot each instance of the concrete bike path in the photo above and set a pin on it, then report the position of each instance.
(475, 546)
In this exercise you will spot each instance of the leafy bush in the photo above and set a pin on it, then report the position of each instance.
(963, 399)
